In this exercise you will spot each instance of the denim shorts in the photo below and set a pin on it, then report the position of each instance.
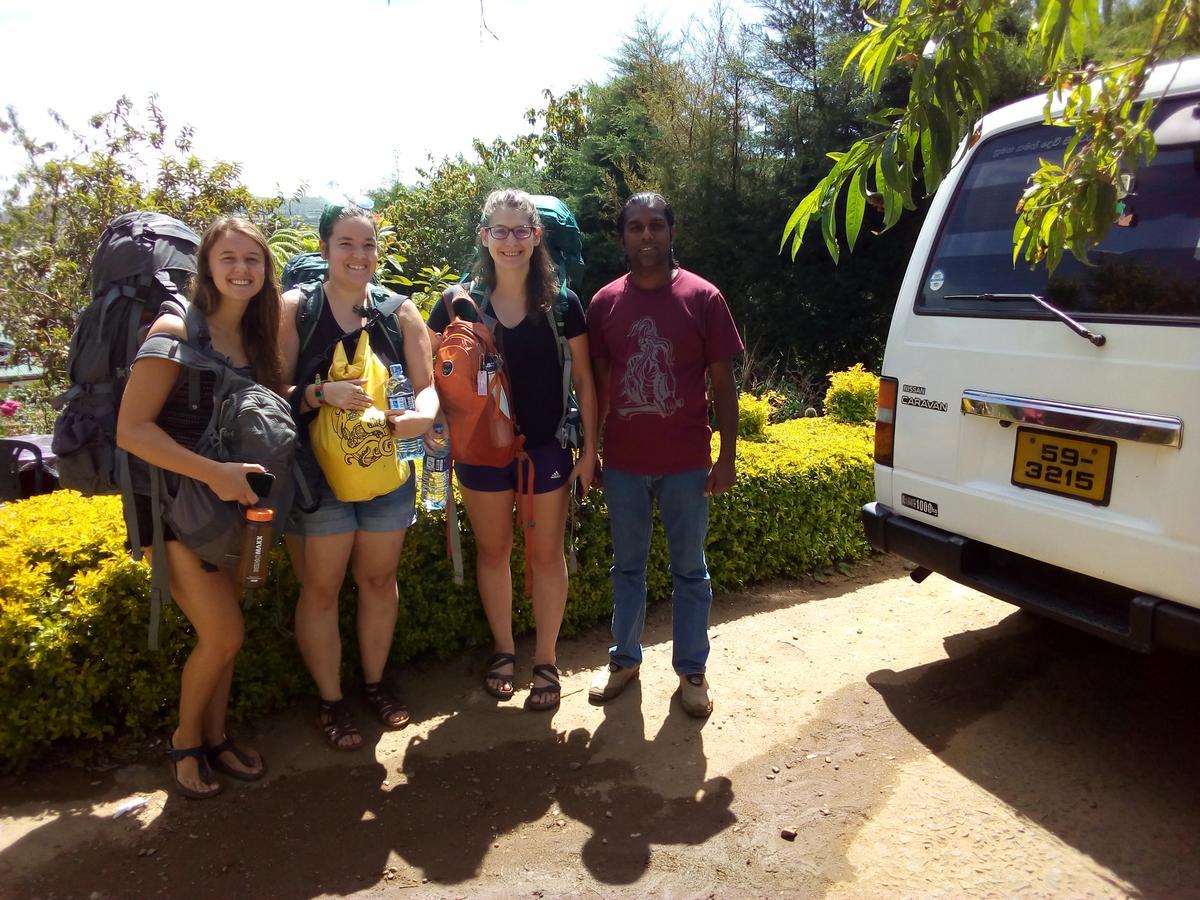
(551, 467)
(391, 512)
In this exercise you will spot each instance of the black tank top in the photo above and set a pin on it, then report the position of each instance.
(177, 418)
(317, 356)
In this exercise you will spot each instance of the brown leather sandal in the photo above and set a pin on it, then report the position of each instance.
(176, 756)
(493, 673)
(228, 745)
(336, 722)
(392, 713)
(550, 672)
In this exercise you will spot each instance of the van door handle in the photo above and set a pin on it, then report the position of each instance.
(1145, 428)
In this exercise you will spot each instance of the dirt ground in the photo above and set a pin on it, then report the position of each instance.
(919, 740)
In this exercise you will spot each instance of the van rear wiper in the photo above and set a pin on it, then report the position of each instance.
(1098, 339)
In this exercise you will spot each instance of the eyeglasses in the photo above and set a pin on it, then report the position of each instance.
(501, 232)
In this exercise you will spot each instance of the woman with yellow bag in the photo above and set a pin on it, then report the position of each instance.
(339, 339)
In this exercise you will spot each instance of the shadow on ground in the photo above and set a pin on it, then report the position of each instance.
(346, 828)
(447, 806)
(1094, 743)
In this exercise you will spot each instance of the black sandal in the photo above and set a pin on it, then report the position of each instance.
(387, 706)
(550, 672)
(228, 746)
(493, 673)
(335, 721)
(177, 756)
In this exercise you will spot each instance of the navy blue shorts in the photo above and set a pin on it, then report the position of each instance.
(551, 467)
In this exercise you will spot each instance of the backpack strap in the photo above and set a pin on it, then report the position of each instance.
(174, 302)
(525, 483)
(386, 303)
(558, 325)
(128, 507)
(312, 301)
(160, 575)
(453, 536)
(471, 293)
(483, 299)
(308, 311)
(199, 337)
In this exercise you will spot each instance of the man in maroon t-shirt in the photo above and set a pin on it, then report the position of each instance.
(655, 335)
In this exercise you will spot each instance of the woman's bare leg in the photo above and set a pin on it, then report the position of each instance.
(491, 517)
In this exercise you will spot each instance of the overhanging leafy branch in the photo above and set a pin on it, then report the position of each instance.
(1069, 204)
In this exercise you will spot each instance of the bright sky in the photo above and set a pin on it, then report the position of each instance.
(342, 95)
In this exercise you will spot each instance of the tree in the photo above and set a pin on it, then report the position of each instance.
(947, 48)
(61, 199)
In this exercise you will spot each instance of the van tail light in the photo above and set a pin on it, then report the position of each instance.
(885, 421)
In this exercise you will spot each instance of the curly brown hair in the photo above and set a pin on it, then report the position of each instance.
(541, 286)
(260, 322)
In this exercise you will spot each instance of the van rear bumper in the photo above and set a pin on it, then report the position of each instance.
(1106, 610)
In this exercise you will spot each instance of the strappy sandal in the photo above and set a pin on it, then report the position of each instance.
(550, 672)
(228, 746)
(493, 673)
(176, 756)
(387, 706)
(336, 723)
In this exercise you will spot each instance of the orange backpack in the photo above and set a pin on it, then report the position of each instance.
(473, 389)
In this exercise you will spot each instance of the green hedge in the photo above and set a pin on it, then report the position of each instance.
(73, 608)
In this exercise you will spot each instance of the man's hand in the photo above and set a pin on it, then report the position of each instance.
(720, 477)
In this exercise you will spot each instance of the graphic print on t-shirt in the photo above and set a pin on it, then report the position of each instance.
(648, 385)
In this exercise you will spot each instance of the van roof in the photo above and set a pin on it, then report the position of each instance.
(1171, 78)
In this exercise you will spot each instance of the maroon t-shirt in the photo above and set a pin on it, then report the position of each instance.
(659, 345)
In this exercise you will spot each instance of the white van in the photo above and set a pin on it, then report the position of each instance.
(1032, 436)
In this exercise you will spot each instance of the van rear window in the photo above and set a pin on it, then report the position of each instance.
(1148, 267)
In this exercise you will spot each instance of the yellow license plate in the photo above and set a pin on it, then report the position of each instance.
(1080, 468)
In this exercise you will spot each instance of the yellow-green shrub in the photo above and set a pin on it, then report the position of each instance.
(851, 396)
(753, 415)
(73, 607)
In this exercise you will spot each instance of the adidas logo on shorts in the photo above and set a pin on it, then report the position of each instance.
(556, 474)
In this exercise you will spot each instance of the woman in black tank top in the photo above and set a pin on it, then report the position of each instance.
(522, 290)
(236, 289)
(369, 535)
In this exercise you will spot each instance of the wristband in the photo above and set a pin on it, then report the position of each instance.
(319, 395)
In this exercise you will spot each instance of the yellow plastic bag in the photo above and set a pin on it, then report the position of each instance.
(355, 448)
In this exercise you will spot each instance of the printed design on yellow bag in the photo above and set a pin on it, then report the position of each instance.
(361, 436)
(355, 448)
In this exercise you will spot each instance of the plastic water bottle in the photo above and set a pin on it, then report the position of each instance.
(435, 472)
(256, 546)
(400, 396)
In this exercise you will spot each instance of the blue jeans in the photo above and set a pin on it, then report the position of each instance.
(683, 509)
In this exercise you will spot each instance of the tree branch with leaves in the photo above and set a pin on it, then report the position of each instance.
(946, 46)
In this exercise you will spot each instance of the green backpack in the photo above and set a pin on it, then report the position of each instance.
(302, 269)
(560, 234)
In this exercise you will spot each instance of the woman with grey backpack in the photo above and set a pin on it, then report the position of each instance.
(166, 409)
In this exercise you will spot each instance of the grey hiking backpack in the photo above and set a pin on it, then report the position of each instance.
(139, 270)
(249, 423)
